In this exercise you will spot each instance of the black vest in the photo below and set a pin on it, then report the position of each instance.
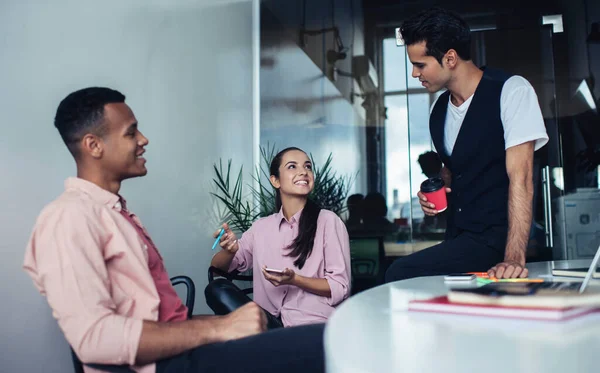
(479, 199)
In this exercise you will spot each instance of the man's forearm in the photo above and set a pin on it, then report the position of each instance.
(520, 198)
(162, 340)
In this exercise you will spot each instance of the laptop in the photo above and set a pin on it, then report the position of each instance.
(591, 271)
(547, 294)
(586, 273)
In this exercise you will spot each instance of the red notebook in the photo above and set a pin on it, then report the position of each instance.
(442, 305)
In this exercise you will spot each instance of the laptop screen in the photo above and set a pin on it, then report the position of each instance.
(590, 271)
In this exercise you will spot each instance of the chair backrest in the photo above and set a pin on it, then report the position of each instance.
(189, 302)
(234, 275)
(367, 256)
(190, 298)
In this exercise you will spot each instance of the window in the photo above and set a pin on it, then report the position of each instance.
(555, 20)
(406, 134)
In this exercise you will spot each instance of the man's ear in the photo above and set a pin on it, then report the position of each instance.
(275, 182)
(450, 59)
(92, 145)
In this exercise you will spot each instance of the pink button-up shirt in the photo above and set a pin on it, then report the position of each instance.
(265, 243)
(92, 266)
(171, 307)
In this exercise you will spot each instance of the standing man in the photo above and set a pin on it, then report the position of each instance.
(485, 127)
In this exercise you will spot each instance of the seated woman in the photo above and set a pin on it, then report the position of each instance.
(308, 244)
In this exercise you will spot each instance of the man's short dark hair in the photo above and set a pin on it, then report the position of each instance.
(430, 163)
(82, 112)
(375, 205)
(441, 30)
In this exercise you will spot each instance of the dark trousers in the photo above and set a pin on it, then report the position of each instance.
(289, 350)
(223, 297)
(466, 252)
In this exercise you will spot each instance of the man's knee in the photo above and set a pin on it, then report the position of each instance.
(410, 266)
(396, 271)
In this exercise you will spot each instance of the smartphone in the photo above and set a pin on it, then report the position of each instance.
(459, 277)
(278, 271)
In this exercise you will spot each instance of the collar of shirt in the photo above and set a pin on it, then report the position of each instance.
(114, 201)
(96, 193)
(295, 218)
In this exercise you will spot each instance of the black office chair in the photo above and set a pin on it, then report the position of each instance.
(234, 275)
(189, 302)
(190, 298)
(223, 296)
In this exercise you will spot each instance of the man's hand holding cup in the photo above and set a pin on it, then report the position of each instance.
(432, 196)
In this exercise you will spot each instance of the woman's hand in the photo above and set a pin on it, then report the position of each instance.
(318, 286)
(286, 278)
(228, 240)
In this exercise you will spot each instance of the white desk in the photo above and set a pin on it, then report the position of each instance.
(373, 332)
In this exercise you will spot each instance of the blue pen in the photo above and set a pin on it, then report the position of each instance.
(218, 238)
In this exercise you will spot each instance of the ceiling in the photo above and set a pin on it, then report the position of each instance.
(392, 12)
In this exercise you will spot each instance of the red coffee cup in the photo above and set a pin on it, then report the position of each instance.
(435, 192)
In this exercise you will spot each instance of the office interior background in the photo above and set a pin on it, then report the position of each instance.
(213, 81)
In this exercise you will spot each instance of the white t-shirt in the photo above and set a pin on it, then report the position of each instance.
(519, 111)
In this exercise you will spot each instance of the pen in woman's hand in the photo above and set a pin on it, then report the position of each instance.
(218, 238)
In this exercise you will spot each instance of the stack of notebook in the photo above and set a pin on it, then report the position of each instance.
(526, 300)
(537, 301)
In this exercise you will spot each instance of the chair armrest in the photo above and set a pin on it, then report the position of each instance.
(234, 275)
(111, 368)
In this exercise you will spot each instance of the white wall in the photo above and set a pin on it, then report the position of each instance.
(300, 106)
(186, 68)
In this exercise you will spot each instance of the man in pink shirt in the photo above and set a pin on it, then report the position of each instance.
(105, 279)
